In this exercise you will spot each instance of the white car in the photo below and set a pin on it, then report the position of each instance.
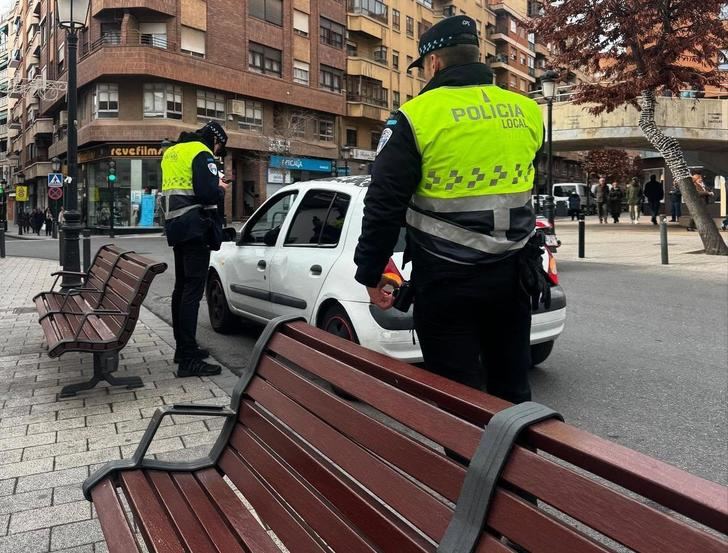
(295, 256)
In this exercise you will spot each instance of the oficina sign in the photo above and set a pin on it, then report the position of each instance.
(300, 164)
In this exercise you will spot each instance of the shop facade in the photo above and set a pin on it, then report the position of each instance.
(284, 170)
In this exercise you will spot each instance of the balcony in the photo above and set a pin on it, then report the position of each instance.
(367, 68)
(41, 126)
(134, 38)
(37, 169)
(15, 58)
(166, 7)
(366, 108)
(370, 17)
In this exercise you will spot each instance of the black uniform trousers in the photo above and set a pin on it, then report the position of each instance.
(474, 325)
(191, 262)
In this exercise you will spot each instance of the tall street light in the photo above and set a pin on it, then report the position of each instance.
(548, 89)
(345, 155)
(56, 167)
(71, 15)
(19, 206)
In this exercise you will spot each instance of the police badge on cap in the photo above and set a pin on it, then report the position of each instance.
(459, 29)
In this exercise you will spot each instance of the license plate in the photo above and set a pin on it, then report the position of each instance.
(551, 240)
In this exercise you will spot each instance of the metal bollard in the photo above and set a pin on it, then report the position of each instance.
(86, 249)
(582, 229)
(2, 241)
(663, 239)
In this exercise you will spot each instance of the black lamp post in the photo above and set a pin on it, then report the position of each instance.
(111, 179)
(71, 15)
(345, 154)
(56, 166)
(19, 180)
(548, 89)
(4, 206)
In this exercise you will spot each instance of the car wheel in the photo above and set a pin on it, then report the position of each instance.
(335, 321)
(221, 319)
(540, 352)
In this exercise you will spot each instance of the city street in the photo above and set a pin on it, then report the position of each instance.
(642, 360)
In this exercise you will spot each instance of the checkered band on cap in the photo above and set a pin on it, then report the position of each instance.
(216, 129)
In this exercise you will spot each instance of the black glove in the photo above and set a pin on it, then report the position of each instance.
(533, 278)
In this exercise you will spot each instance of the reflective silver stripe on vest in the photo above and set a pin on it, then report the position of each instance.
(493, 245)
(182, 210)
(178, 192)
(472, 203)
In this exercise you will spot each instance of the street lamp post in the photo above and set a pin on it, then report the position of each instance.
(4, 199)
(56, 166)
(345, 154)
(19, 180)
(71, 15)
(548, 89)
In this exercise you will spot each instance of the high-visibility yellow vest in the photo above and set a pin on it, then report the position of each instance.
(177, 185)
(477, 144)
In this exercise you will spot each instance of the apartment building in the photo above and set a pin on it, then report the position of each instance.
(150, 69)
(6, 73)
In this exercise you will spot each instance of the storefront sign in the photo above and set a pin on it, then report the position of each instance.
(364, 155)
(21, 193)
(139, 150)
(300, 164)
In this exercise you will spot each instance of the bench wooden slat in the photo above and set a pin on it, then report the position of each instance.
(402, 494)
(327, 523)
(682, 492)
(292, 531)
(215, 526)
(153, 520)
(133, 266)
(117, 532)
(184, 518)
(379, 525)
(242, 522)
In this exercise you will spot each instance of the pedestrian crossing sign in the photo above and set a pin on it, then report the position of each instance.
(55, 180)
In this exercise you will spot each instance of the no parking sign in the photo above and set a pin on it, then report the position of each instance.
(55, 193)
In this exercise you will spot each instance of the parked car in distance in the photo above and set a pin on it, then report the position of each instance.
(295, 256)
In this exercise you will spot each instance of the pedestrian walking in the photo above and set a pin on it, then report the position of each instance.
(48, 221)
(634, 200)
(192, 188)
(675, 203)
(468, 215)
(614, 199)
(27, 220)
(601, 195)
(38, 220)
(574, 204)
(654, 193)
(62, 217)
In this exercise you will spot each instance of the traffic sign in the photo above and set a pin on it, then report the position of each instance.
(21, 193)
(55, 180)
(55, 193)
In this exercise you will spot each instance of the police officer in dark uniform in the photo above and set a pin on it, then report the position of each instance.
(192, 189)
(455, 164)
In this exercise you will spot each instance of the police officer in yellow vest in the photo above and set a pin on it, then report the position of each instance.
(192, 188)
(455, 165)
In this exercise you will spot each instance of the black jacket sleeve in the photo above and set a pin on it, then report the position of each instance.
(396, 173)
(205, 179)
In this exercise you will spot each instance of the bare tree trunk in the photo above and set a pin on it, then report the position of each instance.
(670, 149)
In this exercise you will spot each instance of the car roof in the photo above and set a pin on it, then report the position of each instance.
(349, 184)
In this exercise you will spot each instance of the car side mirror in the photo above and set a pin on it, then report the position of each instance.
(229, 234)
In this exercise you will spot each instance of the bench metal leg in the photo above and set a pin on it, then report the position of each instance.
(105, 363)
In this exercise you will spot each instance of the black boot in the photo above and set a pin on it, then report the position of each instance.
(197, 367)
(199, 353)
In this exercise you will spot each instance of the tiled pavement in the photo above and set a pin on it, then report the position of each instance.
(49, 446)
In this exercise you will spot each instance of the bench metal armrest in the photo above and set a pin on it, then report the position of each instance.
(59, 274)
(137, 460)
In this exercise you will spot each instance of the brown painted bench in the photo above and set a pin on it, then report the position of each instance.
(325, 474)
(100, 316)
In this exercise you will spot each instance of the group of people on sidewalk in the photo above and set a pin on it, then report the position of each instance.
(37, 221)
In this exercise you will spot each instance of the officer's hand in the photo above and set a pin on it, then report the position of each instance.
(381, 297)
(222, 184)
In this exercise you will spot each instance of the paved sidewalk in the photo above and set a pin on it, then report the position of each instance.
(49, 446)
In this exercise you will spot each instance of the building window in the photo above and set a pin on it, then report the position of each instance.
(326, 130)
(514, 26)
(351, 138)
(375, 140)
(210, 105)
(267, 10)
(479, 26)
(524, 85)
(410, 26)
(422, 27)
(331, 33)
(106, 101)
(352, 50)
(367, 91)
(61, 57)
(330, 78)
(298, 125)
(300, 23)
(514, 82)
(263, 59)
(300, 72)
(410, 59)
(409, 97)
(253, 118)
(111, 33)
(193, 42)
(153, 34)
(381, 55)
(162, 100)
(371, 8)
(395, 100)
(523, 59)
(395, 59)
(395, 20)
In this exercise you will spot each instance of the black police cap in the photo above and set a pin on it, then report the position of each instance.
(459, 29)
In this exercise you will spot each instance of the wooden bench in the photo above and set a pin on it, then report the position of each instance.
(325, 474)
(100, 316)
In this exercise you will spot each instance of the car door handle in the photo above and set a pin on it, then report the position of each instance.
(316, 270)
(262, 264)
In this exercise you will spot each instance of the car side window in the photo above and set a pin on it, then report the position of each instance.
(318, 220)
(559, 191)
(265, 226)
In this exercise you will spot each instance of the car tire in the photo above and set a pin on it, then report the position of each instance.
(540, 352)
(221, 318)
(335, 321)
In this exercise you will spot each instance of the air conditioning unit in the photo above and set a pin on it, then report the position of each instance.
(448, 11)
(63, 118)
(236, 107)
